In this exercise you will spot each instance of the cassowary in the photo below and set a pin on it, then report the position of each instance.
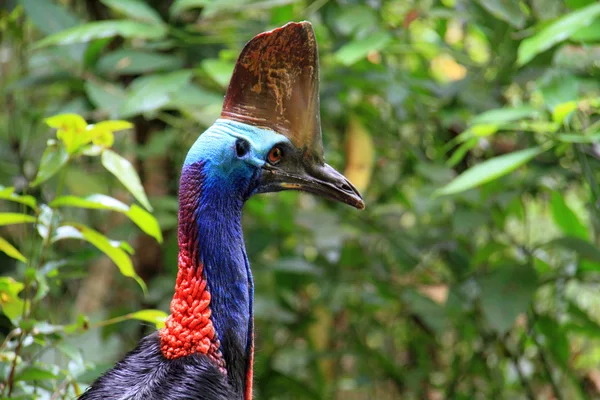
(268, 139)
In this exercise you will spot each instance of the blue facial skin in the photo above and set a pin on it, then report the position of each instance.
(230, 174)
(217, 149)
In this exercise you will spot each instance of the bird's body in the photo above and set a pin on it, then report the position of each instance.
(205, 351)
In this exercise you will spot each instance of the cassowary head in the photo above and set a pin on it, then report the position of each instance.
(268, 138)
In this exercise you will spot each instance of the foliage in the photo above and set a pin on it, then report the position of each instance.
(472, 128)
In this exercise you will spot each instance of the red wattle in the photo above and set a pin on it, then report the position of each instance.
(189, 328)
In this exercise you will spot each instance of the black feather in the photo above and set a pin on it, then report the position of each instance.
(145, 374)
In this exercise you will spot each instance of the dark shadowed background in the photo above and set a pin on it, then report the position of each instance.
(471, 128)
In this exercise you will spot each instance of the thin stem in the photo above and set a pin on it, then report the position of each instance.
(543, 358)
(13, 367)
(524, 382)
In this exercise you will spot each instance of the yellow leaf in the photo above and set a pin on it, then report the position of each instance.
(445, 69)
(360, 154)
(11, 251)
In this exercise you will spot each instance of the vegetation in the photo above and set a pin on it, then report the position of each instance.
(471, 127)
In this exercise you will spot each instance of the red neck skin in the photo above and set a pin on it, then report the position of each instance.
(189, 328)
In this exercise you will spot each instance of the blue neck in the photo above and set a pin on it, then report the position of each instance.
(216, 217)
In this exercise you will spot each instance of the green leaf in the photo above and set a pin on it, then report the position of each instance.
(562, 111)
(359, 49)
(95, 201)
(12, 305)
(50, 18)
(489, 170)
(54, 158)
(102, 243)
(11, 251)
(506, 10)
(432, 313)
(107, 97)
(145, 221)
(104, 29)
(212, 7)
(506, 292)
(219, 70)
(131, 62)
(590, 33)
(15, 218)
(34, 373)
(504, 115)
(566, 219)
(138, 215)
(582, 247)
(156, 317)
(122, 169)
(574, 138)
(556, 32)
(8, 193)
(150, 93)
(179, 6)
(556, 340)
(135, 9)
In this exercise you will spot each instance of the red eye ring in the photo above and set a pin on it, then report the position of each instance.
(274, 155)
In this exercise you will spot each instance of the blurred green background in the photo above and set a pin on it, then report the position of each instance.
(471, 128)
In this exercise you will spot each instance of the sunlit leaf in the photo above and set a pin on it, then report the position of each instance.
(489, 170)
(135, 9)
(54, 158)
(71, 130)
(138, 215)
(145, 221)
(112, 126)
(562, 111)
(15, 218)
(104, 29)
(97, 201)
(122, 169)
(102, 243)
(12, 305)
(11, 251)
(556, 32)
(67, 122)
(505, 115)
(8, 193)
(155, 317)
(566, 219)
(220, 71)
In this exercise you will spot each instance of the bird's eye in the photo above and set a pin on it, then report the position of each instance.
(274, 155)
(241, 147)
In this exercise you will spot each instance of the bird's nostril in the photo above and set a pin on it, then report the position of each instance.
(346, 187)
